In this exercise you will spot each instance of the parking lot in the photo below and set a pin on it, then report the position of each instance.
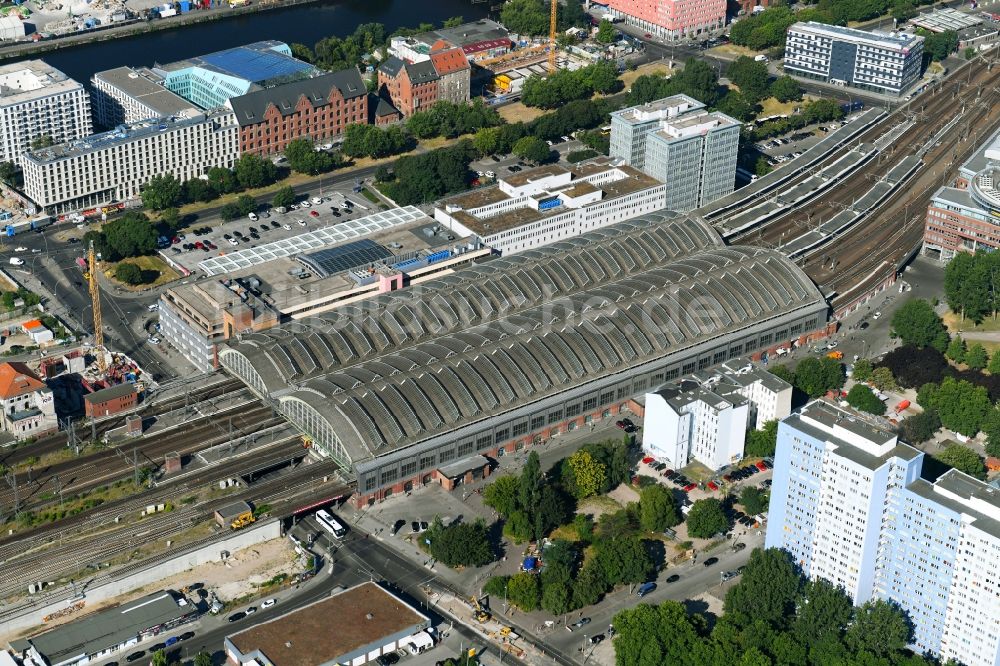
(313, 211)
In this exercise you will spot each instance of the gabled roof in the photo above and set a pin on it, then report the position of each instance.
(250, 108)
(392, 66)
(449, 60)
(421, 72)
(17, 379)
(385, 108)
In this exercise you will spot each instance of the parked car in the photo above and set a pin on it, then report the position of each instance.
(673, 578)
(268, 603)
(582, 622)
(135, 656)
(737, 547)
(236, 617)
(710, 561)
(645, 589)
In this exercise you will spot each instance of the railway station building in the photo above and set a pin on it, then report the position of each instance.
(496, 356)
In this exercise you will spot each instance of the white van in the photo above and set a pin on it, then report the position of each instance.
(419, 642)
(16, 261)
(253, 217)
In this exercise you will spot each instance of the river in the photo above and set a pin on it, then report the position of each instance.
(306, 24)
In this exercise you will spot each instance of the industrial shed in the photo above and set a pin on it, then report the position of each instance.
(495, 355)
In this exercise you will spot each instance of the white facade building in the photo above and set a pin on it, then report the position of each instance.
(112, 167)
(705, 416)
(36, 101)
(887, 63)
(849, 505)
(127, 95)
(677, 142)
(540, 206)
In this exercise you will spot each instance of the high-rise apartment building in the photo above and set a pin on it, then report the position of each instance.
(112, 167)
(876, 61)
(671, 18)
(849, 505)
(677, 142)
(39, 102)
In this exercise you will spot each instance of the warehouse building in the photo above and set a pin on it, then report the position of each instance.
(11, 28)
(496, 355)
(370, 622)
(479, 41)
(886, 63)
(128, 95)
(37, 100)
(108, 632)
(540, 206)
(113, 166)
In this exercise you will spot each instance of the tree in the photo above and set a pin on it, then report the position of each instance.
(10, 173)
(883, 380)
(825, 610)
(518, 528)
(452, 22)
(229, 212)
(588, 474)
(284, 197)
(938, 46)
(860, 397)
(916, 323)
(496, 586)
(956, 349)
(159, 658)
(132, 274)
(657, 509)
(739, 106)
(130, 235)
(751, 76)
(754, 500)
(254, 171)
(706, 519)
(814, 376)
(994, 365)
(913, 367)
(552, 510)
(624, 560)
(902, 11)
(919, 428)
(42, 141)
(589, 585)
(530, 483)
(961, 405)
(161, 192)
(557, 584)
(584, 526)
(976, 357)
(648, 635)
(767, 591)
(761, 443)
(991, 428)
(170, 220)
(532, 148)
(460, 544)
(486, 140)
(304, 158)
(203, 659)
(223, 180)
(525, 17)
(523, 591)
(606, 31)
(502, 495)
(862, 370)
(198, 189)
(246, 204)
(880, 628)
(963, 459)
(786, 89)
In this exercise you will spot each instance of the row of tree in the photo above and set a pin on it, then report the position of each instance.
(813, 376)
(250, 171)
(567, 85)
(774, 615)
(451, 120)
(428, 176)
(531, 17)
(972, 285)
(813, 111)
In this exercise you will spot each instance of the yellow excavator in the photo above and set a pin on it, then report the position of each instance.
(478, 612)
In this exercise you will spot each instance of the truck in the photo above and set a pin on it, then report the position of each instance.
(901, 406)
(836, 355)
(760, 58)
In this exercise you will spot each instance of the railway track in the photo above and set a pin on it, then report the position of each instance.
(40, 487)
(71, 556)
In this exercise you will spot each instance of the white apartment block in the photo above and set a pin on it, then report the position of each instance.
(537, 207)
(705, 416)
(887, 63)
(112, 167)
(677, 142)
(127, 95)
(37, 100)
(848, 503)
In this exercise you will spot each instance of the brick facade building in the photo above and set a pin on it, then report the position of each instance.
(408, 86)
(317, 108)
(113, 400)
(453, 67)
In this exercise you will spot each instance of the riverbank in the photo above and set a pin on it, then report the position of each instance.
(137, 27)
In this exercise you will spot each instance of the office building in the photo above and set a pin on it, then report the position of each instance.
(316, 108)
(29, 409)
(113, 166)
(964, 216)
(849, 504)
(108, 632)
(307, 275)
(129, 95)
(886, 63)
(705, 416)
(209, 80)
(497, 355)
(540, 206)
(370, 622)
(671, 18)
(39, 102)
(677, 142)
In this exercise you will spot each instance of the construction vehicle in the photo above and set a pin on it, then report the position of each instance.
(481, 614)
(836, 355)
(95, 300)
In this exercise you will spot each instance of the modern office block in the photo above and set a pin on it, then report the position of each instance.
(128, 95)
(848, 503)
(38, 102)
(677, 142)
(880, 62)
(671, 18)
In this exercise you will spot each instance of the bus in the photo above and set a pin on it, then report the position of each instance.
(331, 524)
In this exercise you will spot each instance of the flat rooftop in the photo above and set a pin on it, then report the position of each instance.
(32, 79)
(143, 85)
(895, 40)
(965, 495)
(945, 18)
(658, 109)
(108, 628)
(260, 62)
(332, 628)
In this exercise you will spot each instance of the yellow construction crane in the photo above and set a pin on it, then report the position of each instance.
(95, 298)
(552, 36)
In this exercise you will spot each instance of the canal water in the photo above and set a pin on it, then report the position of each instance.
(306, 24)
